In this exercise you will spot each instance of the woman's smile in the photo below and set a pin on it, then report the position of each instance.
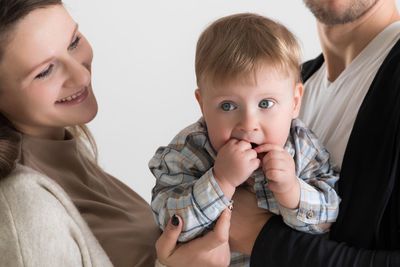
(75, 98)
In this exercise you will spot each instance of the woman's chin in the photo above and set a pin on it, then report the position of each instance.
(85, 115)
(90, 114)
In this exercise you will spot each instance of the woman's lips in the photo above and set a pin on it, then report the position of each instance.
(75, 98)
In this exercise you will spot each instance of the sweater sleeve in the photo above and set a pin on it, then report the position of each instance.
(279, 245)
(39, 227)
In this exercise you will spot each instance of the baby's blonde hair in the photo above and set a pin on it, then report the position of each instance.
(236, 46)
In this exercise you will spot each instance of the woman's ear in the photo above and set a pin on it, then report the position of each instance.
(297, 96)
(199, 99)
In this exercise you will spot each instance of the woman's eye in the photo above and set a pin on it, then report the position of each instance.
(265, 103)
(227, 106)
(45, 73)
(75, 43)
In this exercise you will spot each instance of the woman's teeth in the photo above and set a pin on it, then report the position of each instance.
(71, 97)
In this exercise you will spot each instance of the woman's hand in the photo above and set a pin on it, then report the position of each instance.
(247, 221)
(211, 249)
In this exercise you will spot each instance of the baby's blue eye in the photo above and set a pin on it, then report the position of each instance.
(227, 106)
(265, 103)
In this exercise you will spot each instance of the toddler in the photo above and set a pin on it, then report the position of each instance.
(249, 92)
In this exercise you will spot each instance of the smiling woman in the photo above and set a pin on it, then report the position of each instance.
(57, 206)
(50, 75)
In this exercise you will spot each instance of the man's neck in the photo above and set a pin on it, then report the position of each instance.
(342, 43)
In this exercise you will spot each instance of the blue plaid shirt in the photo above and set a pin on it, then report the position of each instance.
(186, 186)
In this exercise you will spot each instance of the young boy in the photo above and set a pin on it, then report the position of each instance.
(249, 92)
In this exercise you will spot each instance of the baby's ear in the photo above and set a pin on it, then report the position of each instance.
(199, 99)
(297, 96)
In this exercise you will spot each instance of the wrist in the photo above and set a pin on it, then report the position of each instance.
(290, 199)
(227, 188)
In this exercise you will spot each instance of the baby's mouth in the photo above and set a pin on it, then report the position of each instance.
(253, 145)
(259, 155)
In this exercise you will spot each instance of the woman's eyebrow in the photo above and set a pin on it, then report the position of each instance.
(51, 58)
(74, 32)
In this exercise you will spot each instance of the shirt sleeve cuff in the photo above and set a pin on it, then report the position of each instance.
(209, 196)
(309, 206)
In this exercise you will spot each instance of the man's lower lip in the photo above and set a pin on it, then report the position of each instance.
(77, 100)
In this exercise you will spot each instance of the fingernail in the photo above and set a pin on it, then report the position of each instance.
(175, 220)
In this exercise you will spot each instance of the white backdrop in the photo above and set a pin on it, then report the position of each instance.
(143, 70)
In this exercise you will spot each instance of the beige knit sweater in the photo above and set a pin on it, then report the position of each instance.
(40, 226)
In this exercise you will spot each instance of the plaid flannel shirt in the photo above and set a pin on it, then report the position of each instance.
(186, 186)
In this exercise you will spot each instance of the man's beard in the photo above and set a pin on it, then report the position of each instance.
(342, 15)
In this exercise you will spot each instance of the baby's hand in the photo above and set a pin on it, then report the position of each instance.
(279, 168)
(235, 162)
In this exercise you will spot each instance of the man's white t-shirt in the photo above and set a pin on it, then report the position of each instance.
(329, 109)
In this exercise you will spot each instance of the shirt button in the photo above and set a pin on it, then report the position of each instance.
(309, 214)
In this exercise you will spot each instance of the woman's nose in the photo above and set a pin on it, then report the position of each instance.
(78, 74)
